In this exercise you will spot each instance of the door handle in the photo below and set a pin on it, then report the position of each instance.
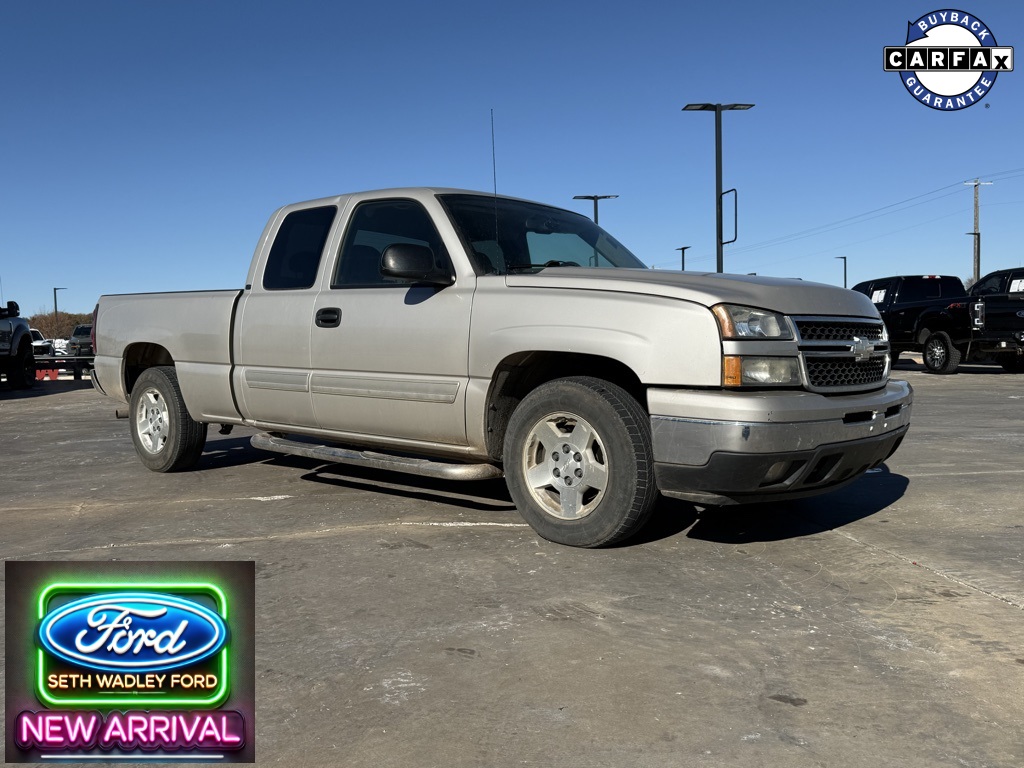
(328, 317)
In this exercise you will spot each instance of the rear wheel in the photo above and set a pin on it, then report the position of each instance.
(166, 438)
(578, 462)
(940, 355)
(22, 373)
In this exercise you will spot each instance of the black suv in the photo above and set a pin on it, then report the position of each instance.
(923, 313)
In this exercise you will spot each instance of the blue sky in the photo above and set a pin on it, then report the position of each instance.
(144, 144)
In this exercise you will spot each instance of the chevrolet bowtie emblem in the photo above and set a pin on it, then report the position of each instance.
(862, 349)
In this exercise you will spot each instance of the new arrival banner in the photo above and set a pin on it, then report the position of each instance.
(130, 661)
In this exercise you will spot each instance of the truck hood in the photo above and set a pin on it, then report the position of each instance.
(785, 295)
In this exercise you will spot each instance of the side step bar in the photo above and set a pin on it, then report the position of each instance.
(425, 467)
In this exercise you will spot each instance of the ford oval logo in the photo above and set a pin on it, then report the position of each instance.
(132, 632)
(1020, 313)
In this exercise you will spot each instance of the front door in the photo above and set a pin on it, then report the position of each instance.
(391, 358)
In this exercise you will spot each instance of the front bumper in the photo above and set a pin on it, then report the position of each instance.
(751, 447)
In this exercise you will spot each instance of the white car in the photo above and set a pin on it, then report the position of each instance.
(41, 346)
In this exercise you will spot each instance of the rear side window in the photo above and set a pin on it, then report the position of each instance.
(925, 288)
(295, 256)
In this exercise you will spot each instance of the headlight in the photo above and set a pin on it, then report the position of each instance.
(749, 323)
(750, 371)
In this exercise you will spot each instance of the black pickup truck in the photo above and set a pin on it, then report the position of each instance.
(997, 318)
(935, 315)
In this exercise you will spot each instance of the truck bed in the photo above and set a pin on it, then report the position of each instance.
(199, 341)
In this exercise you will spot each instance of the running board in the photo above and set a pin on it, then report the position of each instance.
(413, 466)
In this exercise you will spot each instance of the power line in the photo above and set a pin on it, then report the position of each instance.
(884, 210)
(850, 221)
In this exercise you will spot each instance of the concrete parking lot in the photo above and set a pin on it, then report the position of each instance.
(405, 622)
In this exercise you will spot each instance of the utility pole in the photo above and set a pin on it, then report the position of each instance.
(977, 228)
(844, 269)
(682, 255)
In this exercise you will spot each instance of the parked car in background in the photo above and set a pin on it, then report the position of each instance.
(40, 344)
(997, 317)
(922, 313)
(80, 343)
(16, 359)
(935, 315)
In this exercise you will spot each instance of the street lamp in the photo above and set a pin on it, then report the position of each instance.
(718, 109)
(595, 198)
(682, 257)
(55, 309)
(844, 269)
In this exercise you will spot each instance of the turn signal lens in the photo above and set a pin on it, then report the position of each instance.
(760, 371)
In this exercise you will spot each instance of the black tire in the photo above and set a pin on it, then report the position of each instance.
(1011, 362)
(166, 438)
(940, 355)
(579, 463)
(22, 373)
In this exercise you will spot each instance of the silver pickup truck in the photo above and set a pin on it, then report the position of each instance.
(464, 335)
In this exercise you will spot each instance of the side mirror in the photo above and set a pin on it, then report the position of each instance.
(13, 310)
(413, 262)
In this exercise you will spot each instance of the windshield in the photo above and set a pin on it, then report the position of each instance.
(82, 330)
(510, 236)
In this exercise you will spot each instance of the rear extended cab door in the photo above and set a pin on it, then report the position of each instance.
(274, 317)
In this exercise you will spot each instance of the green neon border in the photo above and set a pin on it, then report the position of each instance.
(215, 699)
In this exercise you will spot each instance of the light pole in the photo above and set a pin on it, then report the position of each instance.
(55, 309)
(595, 198)
(844, 269)
(718, 109)
(977, 227)
(682, 257)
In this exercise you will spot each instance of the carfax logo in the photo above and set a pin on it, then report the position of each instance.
(132, 669)
(950, 60)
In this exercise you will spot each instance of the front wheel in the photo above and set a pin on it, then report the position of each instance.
(579, 463)
(166, 438)
(940, 354)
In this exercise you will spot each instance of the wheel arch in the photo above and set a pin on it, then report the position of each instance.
(138, 358)
(519, 374)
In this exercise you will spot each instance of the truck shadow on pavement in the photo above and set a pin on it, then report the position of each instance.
(775, 521)
(868, 496)
(42, 388)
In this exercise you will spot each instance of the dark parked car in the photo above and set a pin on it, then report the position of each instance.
(17, 362)
(934, 315)
(923, 313)
(80, 343)
(997, 317)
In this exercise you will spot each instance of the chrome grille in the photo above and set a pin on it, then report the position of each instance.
(824, 373)
(838, 330)
(842, 354)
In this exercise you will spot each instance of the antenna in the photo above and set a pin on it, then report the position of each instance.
(494, 159)
(494, 171)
